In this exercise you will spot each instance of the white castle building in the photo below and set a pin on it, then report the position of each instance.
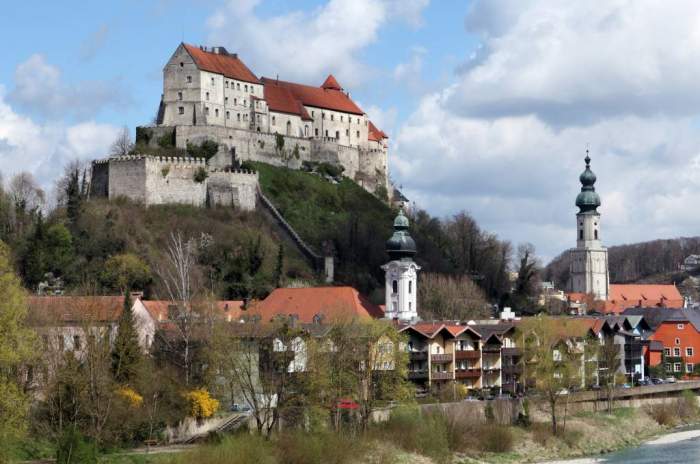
(589, 260)
(210, 94)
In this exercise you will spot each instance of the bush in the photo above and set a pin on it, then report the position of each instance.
(318, 448)
(201, 404)
(241, 449)
(663, 413)
(688, 405)
(425, 434)
(495, 438)
(73, 448)
(332, 170)
(167, 140)
(200, 175)
(207, 149)
(248, 166)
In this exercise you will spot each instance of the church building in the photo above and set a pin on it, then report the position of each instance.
(401, 274)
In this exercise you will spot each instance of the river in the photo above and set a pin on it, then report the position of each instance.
(677, 447)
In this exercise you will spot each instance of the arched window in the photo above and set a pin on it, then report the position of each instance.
(580, 234)
(410, 286)
(289, 128)
(595, 233)
(395, 286)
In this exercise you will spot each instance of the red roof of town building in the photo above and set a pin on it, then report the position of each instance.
(318, 97)
(330, 303)
(221, 63)
(622, 296)
(374, 134)
(74, 309)
(158, 309)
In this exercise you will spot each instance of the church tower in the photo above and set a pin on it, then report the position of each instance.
(401, 273)
(589, 260)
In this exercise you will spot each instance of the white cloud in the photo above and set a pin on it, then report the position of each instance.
(44, 148)
(39, 88)
(92, 45)
(506, 139)
(307, 46)
(411, 70)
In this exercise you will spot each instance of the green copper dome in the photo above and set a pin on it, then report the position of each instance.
(401, 245)
(588, 200)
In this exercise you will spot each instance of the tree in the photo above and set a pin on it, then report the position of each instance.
(608, 365)
(442, 297)
(553, 358)
(126, 271)
(126, 353)
(279, 267)
(17, 351)
(528, 273)
(122, 145)
(27, 199)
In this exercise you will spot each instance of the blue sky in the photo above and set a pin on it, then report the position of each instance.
(489, 104)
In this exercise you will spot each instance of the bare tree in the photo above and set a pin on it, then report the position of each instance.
(450, 297)
(122, 145)
(27, 199)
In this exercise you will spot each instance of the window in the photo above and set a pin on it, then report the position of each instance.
(312, 114)
(228, 115)
(331, 116)
(206, 110)
(238, 86)
(347, 132)
(676, 352)
(189, 79)
(595, 234)
(316, 132)
(182, 65)
(226, 84)
(216, 112)
(207, 96)
(181, 109)
(76, 342)
(235, 101)
(326, 132)
(212, 81)
(676, 367)
(323, 115)
(274, 120)
(245, 117)
(669, 367)
(678, 341)
(258, 118)
(245, 88)
(179, 95)
(667, 351)
(225, 100)
(410, 304)
(238, 115)
(306, 131)
(358, 134)
(337, 134)
(395, 287)
(410, 286)
(358, 120)
(245, 103)
(689, 351)
(689, 367)
(341, 118)
(580, 234)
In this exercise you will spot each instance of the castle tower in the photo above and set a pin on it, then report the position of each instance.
(589, 260)
(401, 273)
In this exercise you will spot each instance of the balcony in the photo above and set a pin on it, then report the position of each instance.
(513, 369)
(491, 348)
(418, 355)
(468, 374)
(491, 369)
(441, 358)
(511, 352)
(467, 354)
(417, 375)
(441, 375)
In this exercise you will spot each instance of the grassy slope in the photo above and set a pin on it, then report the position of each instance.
(357, 223)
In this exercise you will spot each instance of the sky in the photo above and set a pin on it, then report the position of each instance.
(490, 105)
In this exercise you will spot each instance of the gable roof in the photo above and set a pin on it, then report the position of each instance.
(221, 63)
(52, 310)
(318, 97)
(374, 134)
(332, 303)
(281, 100)
(331, 84)
(623, 296)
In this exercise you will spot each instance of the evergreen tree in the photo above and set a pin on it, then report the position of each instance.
(34, 262)
(73, 196)
(279, 267)
(126, 354)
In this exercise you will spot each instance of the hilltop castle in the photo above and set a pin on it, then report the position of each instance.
(210, 95)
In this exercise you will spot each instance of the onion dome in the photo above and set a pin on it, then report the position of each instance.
(401, 245)
(588, 200)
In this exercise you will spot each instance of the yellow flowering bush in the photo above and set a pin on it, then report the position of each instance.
(201, 404)
(131, 396)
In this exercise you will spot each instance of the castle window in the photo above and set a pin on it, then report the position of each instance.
(358, 120)
(347, 132)
(595, 233)
(358, 134)
(189, 79)
(235, 101)
(323, 115)
(341, 118)
(179, 95)
(312, 113)
(181, 110)
(274, 120)
(182, 65)
(337, 134)
(238, 115)
(228, 115)
(316, 132)
(331, 116)
(225, 100)
(226, 84)
(258, 118)
(207, 95)
(326, 132)
(580, 234)
(212, 81)
(245, 103)
(395, 287)
(216, 112)
(206, 110)
(238, 86)
(246, 88)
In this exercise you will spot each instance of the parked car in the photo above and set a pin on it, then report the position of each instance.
(670, 380)
(657, 381)
(235, 407)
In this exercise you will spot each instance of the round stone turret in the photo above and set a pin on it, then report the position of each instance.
(588, 200)
(401, 245)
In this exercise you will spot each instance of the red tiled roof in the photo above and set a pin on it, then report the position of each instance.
(229, 65)
(331, 84)
(318, 96)
(623, 296)
(68, 309)
(281, 99)
(431, 329)
(333, 303)
(374, 134)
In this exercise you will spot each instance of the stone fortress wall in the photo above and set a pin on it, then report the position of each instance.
(155, 180)
(366, 166)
